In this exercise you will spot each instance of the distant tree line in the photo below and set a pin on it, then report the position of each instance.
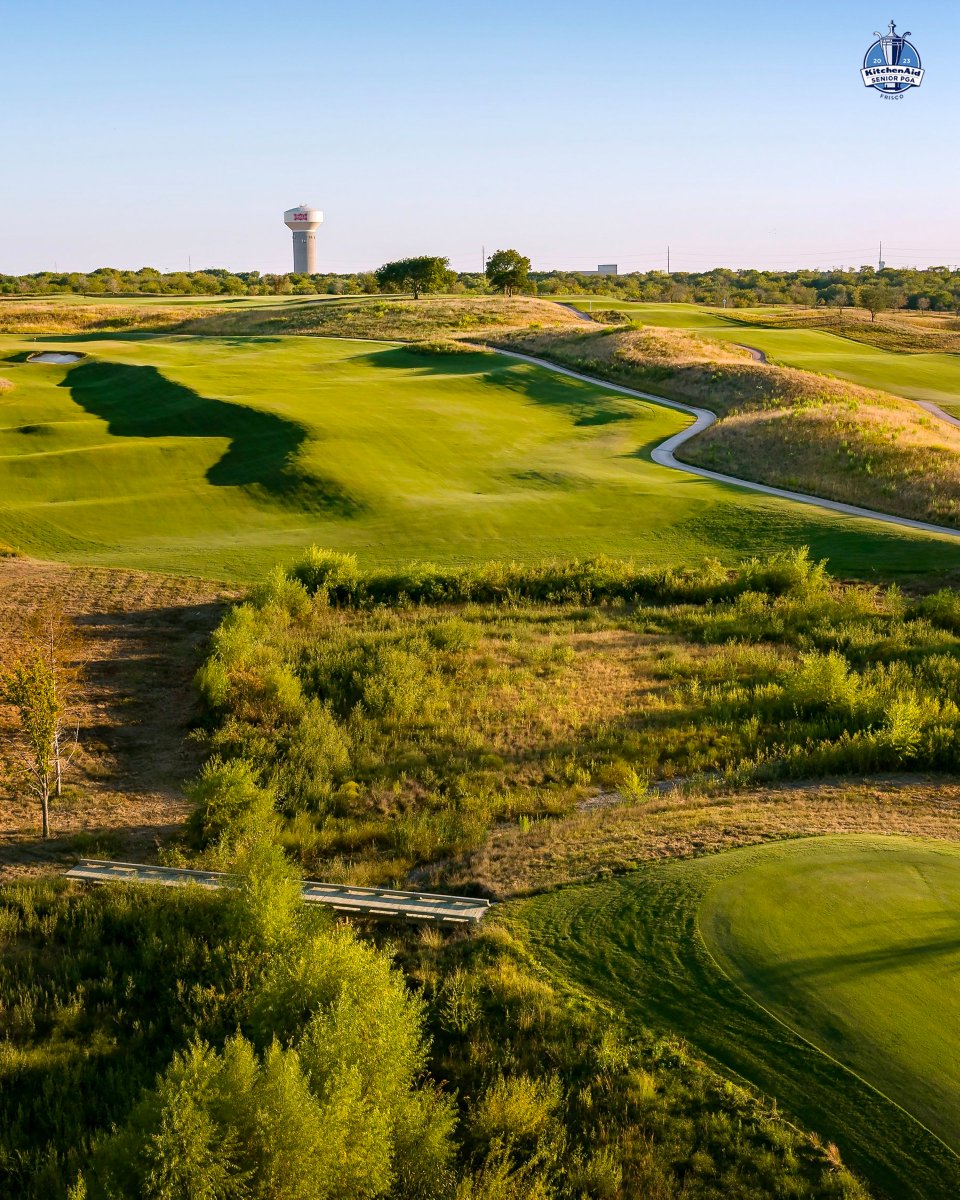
(935, 289)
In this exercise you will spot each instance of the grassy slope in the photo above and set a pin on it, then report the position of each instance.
(918, 376)
(126, 459)
(635, 942)
(394, 318)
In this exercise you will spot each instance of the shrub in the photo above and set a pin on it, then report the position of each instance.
(332, 575)
(516, 1110)
(822, 681)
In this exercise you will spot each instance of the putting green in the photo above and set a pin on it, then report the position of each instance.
(855, 944)
(824, 971)
(223, 456)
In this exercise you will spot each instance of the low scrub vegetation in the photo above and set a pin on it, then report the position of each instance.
(393, 719)
(368, 725)
(778, 425)
(190, 1045)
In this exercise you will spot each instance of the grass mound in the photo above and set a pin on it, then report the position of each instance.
(51, 317)
(430, 318)
(375, 317)
(635, 942)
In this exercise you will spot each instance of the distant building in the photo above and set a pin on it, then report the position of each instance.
(603, 269)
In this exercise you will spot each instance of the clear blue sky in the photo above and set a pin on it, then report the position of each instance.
(738, 132)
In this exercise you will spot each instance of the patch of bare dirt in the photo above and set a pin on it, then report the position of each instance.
(142, 638)
(610, 838)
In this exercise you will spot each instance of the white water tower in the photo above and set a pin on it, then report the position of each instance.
(304, 222)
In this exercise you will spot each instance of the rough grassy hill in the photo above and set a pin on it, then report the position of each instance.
(778, 425)
(392, 319)
(400, 320)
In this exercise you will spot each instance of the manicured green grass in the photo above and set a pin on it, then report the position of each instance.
(823, 971)
(855, 945)
(933, 377)
(221, 456)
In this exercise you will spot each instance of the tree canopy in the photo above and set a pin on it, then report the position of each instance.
(876, 298)
(417, 275)
(508, 271)
(917, 289)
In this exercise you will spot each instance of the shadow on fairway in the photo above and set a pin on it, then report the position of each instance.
(140, 402)
(585, 404)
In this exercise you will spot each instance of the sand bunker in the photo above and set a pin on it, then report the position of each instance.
(55, 356)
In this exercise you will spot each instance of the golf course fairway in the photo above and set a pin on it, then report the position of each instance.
(223, 456)
(824, 971)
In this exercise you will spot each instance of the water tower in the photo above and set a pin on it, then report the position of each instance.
(304, 221)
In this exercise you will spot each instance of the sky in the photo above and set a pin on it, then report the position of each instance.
(739, 133)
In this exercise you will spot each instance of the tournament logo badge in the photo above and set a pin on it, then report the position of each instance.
(892, 64)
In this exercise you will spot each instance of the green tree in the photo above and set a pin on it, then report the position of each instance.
(417, 275)
(837, 296)
(322, 1096)
(507, 271)
(39, 686)
(876, 298)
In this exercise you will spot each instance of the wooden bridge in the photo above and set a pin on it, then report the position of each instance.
(355, 901)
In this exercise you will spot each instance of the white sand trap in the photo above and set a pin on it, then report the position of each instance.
(55, 356)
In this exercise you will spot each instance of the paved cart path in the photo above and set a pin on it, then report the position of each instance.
(664, 454)
(934, 409)
(937, 411)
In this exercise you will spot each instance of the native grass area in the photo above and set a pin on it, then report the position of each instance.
(711, 789)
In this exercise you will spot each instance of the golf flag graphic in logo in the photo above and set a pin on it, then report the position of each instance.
(892, 64)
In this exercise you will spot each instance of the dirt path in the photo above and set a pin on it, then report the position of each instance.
(142, 639)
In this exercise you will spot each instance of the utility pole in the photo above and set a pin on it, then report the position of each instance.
(483, 260)
(880, 259)
(668, 260)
